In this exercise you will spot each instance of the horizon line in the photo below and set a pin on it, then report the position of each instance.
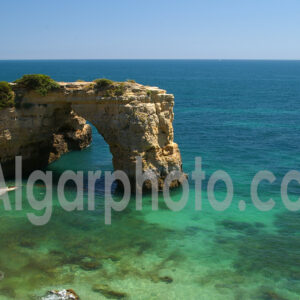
(215, 59)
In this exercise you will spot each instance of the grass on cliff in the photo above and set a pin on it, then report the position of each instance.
(6, 95)
(109, 88)
(42, 84)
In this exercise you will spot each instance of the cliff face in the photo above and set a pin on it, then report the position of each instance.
(136, 123)
(40, 134)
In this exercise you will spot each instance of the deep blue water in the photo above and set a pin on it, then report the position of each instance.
(239, 116)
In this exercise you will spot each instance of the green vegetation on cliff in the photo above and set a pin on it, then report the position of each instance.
(109, 88)
(103, 83)
(6, 95)
(39, 83)
(118, 89)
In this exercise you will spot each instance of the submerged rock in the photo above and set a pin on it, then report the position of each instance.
(8, 292)
(287, 223)
(243, 227)
(106, 291)
(166, 279)
(68, 294)
(259, 225)
(90, 265)
(192, 230)
(27, 244)
(271, 295)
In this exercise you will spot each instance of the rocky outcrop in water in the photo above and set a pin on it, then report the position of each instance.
(135, 120)
(109, 293)
(61, 295)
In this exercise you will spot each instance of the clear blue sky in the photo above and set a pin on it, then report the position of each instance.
(250, 29)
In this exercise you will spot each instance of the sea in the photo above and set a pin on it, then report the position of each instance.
(238, 116)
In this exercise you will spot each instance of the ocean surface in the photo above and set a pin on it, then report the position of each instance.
(238, 116)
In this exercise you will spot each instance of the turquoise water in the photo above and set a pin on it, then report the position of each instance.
(239, 116)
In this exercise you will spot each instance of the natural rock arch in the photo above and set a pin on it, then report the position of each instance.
(137, 123)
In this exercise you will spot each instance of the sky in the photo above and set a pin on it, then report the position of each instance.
(152, 29)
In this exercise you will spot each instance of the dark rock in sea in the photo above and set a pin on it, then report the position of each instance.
(68, 294)
(288, 222)
(8, 292)
(166, 279)
(244, 227)
(109, 293)
(271, 295)
(56, 252)
(221, 240)
(259, 225)
(27, 244)
(113, 258)
(90, 265)
(266, 254)
(86, 263)
(142, 247)
(191, 230)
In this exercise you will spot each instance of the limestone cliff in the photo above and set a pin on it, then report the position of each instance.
(40, 133)
(135, 122)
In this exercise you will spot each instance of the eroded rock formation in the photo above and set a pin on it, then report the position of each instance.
(40, 133)
(136, 123)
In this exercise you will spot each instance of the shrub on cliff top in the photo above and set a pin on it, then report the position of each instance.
(6, 95)
(119, 89)
(102, 83)
(39, 83)
(109, 88)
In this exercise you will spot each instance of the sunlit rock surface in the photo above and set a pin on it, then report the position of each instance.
(136, 123)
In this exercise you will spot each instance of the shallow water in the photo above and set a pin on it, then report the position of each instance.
(239, 116)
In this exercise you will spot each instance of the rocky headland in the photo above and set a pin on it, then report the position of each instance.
(134, 120)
